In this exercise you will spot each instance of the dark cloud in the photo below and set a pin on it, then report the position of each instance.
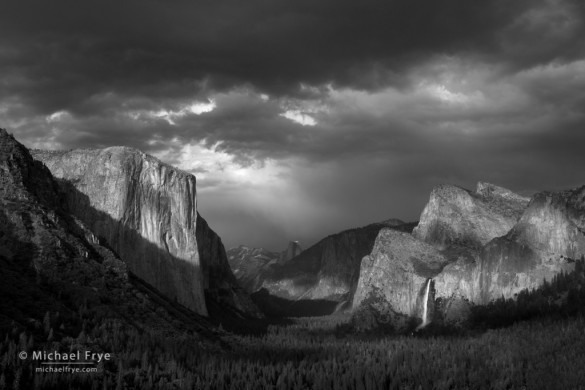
(68, 51)
(397, 96)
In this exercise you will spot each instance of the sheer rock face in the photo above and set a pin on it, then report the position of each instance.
(455, 226)
(546, 235)
(397, 270)
(146, 211)
(51, 261)
(329, 269)
(493, 243)
(542, 243)
(455, 216)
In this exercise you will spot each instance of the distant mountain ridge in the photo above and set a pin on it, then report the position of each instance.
(328, 270)
(249, 265)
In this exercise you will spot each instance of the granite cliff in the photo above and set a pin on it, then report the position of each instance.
(547, 239)
(52, 262)
(475, 247)
(456, 216)
(464, 223)
(397, 270)
(146, 211)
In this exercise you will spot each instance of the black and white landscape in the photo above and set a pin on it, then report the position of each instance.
(292, 195)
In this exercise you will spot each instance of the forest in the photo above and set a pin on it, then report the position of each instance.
(534, 342)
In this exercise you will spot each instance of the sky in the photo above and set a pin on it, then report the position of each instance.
(303, 118)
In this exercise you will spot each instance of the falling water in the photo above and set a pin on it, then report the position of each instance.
(426, 304)
(425, 316)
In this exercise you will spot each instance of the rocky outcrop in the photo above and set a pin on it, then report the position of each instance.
(456, 216)
(545, 241)
(146, 211)
(329, 269)
(398, 270)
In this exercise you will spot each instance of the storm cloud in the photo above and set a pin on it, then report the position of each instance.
(301, 118)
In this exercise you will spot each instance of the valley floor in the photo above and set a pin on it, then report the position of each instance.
(310, 353)
(307, 355)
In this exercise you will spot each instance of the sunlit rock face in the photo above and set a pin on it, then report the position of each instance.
(461, 223)
(144, 209)
(456, 216)
(397, 270)
(457, 286)
(482, 245)
(329, 269)
(545, 241)
(50, 261)
(147, 212)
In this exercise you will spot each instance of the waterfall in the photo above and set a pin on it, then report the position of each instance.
(426, 304)
(425, 316)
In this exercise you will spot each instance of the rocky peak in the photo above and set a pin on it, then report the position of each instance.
(456, 216)
(489, 190)
(502, 200)
(293, 250)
